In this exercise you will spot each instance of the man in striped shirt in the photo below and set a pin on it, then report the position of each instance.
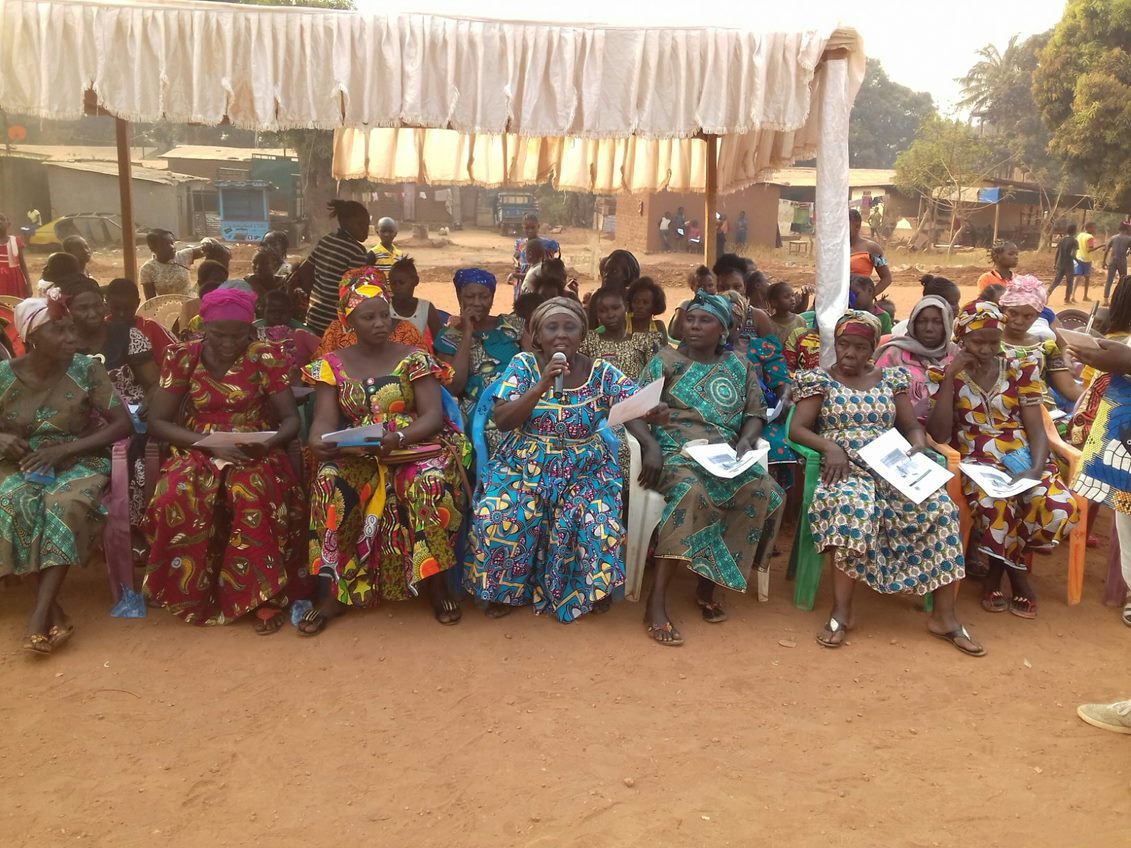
(321, 273)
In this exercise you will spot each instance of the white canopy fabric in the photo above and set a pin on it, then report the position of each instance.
(444, 98)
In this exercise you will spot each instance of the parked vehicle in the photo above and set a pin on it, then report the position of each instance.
(100, 229)
(510, 208)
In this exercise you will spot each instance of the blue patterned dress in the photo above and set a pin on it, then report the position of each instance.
(880, 537)
(548, 527)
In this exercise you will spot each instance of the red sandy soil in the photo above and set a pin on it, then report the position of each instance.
(389, 729)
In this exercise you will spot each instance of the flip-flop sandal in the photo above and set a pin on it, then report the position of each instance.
(448, 613)
(603, 606)
(37, 643)
(498, 610)
(655, 633)
(995, 602)
(960, 633)
(59, 634)
(834, 627)
(713, 612)
(266, 625)
(318, 619)
(1127, 614)
(1023, 608)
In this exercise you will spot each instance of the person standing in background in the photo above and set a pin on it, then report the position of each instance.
(679, 227)
(77, 246)
(741, 231)
(1085, 252)
(722, 230)
(1065, 262)
(321, 274)
(167, 272)
(14, 279)
(665, 231)
(385, 253)
(1115, 257)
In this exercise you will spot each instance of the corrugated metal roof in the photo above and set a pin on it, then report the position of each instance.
(221, 154)
(111, 169)
(72, 153)
(857, 177)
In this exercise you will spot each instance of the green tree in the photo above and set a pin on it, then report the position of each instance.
(1083, 89)
(945, 163)
(998, 91)
(884, 119)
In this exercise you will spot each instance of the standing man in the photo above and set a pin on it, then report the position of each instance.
(168, 271)
(1115, 257)
(385, 253)
(665, 231)
(741, 231)
(722, 230)
(679, 227)
(1085, 252)
(1065, 262)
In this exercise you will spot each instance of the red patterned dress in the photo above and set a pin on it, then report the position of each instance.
(378, 530)
(226, 539)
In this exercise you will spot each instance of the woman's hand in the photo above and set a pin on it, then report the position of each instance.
(550, 372)
(658, 414)
(253, 450)
(1032, 473)
(962, 360)
(324, 451)
(651, 465)
(232, 455)
(13, 447)
(1111, 356)
(46, 459)
(834, 465)
(390, 442)
(742, 447)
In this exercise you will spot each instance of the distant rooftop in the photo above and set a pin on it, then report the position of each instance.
(72, 153)
(857, 177)
(151, 175)
(222, 154)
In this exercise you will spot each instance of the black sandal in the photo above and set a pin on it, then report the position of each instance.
(448, 612)
(713, 612)
(316, 618)
(833, 627)
(269, 626)
(960, 633)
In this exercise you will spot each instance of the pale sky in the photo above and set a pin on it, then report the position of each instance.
(922, 45)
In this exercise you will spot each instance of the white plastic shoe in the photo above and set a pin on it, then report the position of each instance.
(1114, 717)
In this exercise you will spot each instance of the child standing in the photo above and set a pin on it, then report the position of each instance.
(783, 319)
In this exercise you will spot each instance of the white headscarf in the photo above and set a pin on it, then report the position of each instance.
(31, 314)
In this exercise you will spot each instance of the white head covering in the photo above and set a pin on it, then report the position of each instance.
(31, 314)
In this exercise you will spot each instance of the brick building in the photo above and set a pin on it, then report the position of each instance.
(638, 216)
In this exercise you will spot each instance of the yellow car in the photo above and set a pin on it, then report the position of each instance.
(100, 229)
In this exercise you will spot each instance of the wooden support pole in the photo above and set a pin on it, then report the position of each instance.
(710, 239)
(125, 193)
(997, 217)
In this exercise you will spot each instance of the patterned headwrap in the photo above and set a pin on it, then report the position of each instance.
(552, 247)
(474, 277)
(715, 305)
(979, 315)
(228, 305)
(854, 322)
(33, 312)
(359, 285)
(557, 306)
(1025, 290)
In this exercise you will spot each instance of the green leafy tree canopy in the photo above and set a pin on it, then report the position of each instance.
(884, 119)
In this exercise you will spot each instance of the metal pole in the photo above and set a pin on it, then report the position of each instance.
(125, 193)
(997, 215)
(710, 240)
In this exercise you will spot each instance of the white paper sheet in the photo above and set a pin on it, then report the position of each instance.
(1078, 340)
(721, 460)
(232, 440)
(916, 477)
(356, 437)
(995, 482)
(637, 406)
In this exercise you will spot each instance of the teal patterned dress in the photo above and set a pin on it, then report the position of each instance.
(57, 523)
(880, 537)
(547, 527)
(712, 524)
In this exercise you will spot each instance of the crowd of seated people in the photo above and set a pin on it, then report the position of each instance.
(374, 448)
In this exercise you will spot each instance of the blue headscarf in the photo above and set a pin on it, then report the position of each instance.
(715, 305)
(552, 247)
(474, 277)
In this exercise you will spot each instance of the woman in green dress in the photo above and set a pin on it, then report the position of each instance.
(58, 417)
(718, 528)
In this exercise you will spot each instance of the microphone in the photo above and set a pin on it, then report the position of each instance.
(558, 357)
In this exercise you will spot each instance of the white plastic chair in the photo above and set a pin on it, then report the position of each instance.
(645, 509)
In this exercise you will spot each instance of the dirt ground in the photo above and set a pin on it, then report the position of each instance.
(393, 730)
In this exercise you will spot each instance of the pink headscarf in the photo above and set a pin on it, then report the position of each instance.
(1025, 290)
(228, 305)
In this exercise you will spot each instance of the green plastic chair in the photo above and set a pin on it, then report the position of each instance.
(806, 562)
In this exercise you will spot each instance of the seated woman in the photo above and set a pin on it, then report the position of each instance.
(477, 344)
(547, 528)
(866, 529)
(988, 408)
(128, 357)
(58, 416)
(226, 524)
(940, 287)
(926, 345)
(383, 521)
(1021, 304)
(718, 528)
(339, 334)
